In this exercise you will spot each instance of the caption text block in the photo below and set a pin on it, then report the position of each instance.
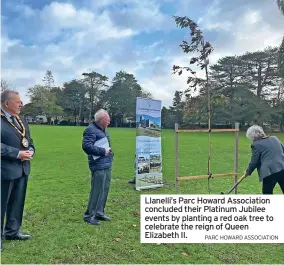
(212, 219)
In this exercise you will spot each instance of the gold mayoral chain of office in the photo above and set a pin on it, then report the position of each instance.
(25, 141)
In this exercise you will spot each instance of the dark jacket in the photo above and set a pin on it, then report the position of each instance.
(11, 144)
(92, 134)
(267, 157)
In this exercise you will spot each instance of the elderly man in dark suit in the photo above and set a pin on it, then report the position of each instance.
(100, 159)
(17, 150)
(267, 157)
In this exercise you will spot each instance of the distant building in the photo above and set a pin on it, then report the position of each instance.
(42, 119)
(29, 119)
(37, 119)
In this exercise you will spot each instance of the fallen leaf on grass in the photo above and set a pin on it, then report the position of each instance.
(184, 254)
(134, 225)
(136, 214)
(78, 247)
(117, 239)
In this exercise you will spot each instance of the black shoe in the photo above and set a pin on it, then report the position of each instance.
(104, 218)
(93, 221)
(131, 181)
(18, 237)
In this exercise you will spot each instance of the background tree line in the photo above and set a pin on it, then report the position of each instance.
(77, 100)
(246, 89)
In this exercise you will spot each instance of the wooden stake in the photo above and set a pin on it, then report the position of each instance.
(176, 145)
(236, 158)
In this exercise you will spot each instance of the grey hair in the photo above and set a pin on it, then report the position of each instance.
(99, 114)
(5, 95)
(255, 132)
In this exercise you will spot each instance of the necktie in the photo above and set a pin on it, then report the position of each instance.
(14, 121)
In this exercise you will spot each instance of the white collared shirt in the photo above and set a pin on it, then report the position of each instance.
(8, 116)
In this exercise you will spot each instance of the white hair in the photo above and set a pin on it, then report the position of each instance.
(99, 114)
(255, 132)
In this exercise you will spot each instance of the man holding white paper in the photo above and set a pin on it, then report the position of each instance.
(96, 144)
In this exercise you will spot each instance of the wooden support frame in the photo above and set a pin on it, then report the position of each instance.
(236, 151)
(212, 130)
(236, 154)
(206, 176)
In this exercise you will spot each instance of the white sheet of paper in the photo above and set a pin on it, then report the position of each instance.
(103, 143)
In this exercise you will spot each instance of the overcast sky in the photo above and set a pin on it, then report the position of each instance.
(106, 36)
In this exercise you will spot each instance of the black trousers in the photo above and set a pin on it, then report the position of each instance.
(13, 195)
(269, 182)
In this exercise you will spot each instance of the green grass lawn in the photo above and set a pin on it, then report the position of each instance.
(58, 193)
